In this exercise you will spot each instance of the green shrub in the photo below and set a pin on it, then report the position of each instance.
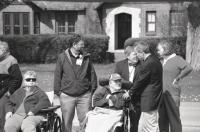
(45, 48)
(179, 44)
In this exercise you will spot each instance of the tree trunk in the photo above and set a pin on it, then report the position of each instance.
(193, 47)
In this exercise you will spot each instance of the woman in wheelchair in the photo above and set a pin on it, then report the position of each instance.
(109, 103)
(24, 106)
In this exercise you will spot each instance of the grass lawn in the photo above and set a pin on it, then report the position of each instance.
(190, 84)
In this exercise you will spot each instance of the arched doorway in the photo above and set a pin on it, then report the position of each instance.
(123, 27)
(110, 28)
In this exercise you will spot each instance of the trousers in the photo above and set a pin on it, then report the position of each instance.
(17, 122)
(69, 104)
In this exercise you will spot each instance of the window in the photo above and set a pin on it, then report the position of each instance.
(16, 23)
(36, 23)
(7, 23)
(176, 18)
(71, 22)
(178, 23)
(66, 22)
(60, 19)
(151, 21)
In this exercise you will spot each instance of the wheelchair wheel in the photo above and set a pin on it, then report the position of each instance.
(57, 126)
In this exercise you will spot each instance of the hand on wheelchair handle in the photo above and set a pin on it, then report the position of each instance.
(126, 95)
(8, 115)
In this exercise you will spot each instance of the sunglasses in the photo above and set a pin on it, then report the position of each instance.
(30, 79)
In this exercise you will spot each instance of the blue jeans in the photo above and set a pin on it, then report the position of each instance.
(68, 106)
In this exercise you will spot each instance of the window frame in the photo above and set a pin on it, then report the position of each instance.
(150, 33)
(176, 12)
(12, 24)
(67, 19)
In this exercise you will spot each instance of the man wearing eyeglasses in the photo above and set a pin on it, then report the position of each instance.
(26, 104)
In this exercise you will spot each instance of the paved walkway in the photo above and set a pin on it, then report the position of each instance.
(190, 116)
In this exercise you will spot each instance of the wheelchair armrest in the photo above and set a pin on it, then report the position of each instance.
(51, 108)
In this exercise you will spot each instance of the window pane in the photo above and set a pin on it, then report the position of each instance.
(61, 29)
(151, 27)
(177, 18)
(71, 29)
(16, 19)
(60, 19)
(6, 23)
(25, 30)
(16, 30)
(6, 19)
(151, 21)
(25, 19)
(71, 22)
(7, 30)
(25, 23)
(151, 17)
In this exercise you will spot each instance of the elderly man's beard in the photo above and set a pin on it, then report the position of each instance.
(115, 87)
(29, 84)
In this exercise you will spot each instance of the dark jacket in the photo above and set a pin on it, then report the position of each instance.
(148, 84)
(10, 75)
(34, 102)
(99, 98)
(66, 80)
(121, 68)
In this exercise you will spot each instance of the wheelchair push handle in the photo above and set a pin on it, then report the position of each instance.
(51, 108)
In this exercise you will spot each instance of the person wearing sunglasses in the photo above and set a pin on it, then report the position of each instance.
(23, 107)
(10, 78)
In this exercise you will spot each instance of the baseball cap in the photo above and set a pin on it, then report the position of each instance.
(115, 76)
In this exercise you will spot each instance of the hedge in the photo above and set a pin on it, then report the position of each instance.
(179, 46)
(45, 48)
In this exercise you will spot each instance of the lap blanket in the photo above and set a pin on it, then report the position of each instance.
(103, 120)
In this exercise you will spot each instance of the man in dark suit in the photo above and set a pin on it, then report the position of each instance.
(128, 68)
(147, 85)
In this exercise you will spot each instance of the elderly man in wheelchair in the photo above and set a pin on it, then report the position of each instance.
(108, 114)
(23, 108)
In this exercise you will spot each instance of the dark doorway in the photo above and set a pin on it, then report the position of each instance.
(122, 29)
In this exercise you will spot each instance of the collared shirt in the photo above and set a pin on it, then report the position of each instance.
(168, 58)
(146, 57)
(74, 61)
(131, 72)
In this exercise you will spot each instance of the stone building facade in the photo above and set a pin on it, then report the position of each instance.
(117, 20)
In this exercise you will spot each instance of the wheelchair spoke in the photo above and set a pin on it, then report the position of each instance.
(57, 125)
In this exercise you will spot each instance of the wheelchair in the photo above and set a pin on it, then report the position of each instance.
(125, 119)
(52, 122)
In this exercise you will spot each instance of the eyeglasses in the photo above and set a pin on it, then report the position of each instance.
(30, 79)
